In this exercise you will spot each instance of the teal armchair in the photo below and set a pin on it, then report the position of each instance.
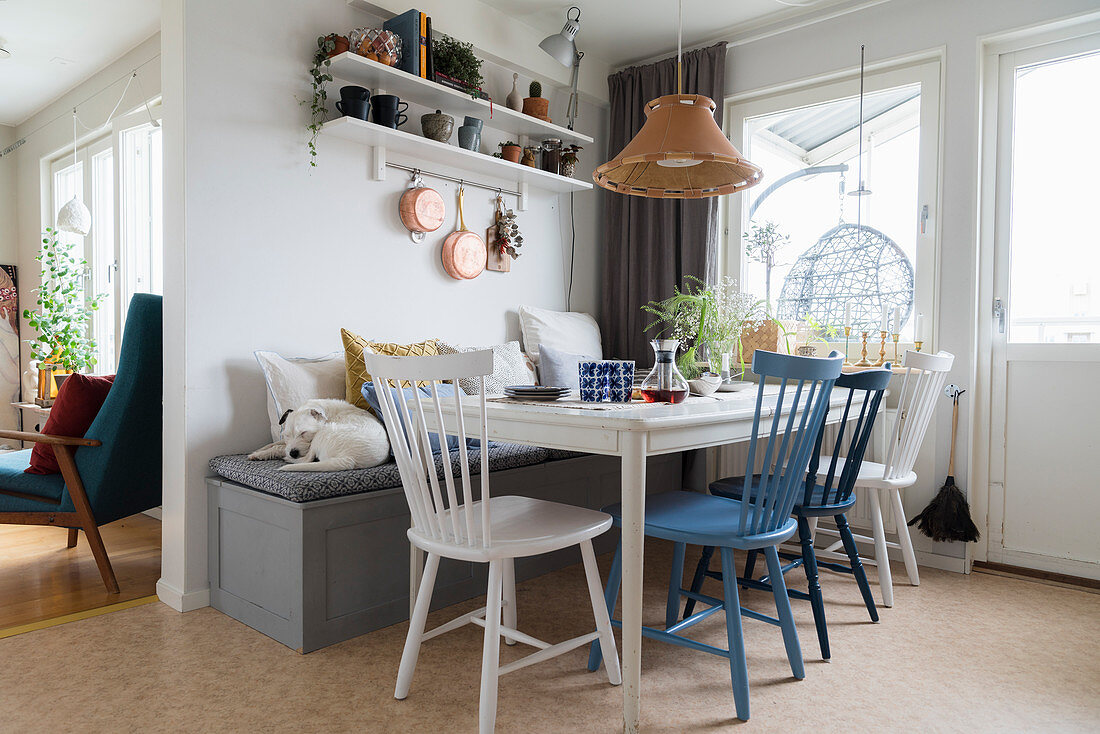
(114, 470)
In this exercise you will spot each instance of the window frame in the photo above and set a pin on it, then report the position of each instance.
(926, 71)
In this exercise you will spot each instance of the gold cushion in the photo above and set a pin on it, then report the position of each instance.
(356, 368)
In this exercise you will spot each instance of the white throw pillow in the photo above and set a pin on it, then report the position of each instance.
(510, 367)
(575, 333)
(293, 380)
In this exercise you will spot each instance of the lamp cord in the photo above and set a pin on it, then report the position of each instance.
(572, 254)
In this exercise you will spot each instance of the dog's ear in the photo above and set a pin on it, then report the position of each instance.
(282, 420)
(317, 413)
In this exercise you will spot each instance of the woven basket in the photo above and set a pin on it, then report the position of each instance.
(758, 335)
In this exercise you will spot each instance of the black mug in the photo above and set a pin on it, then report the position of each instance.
(353, 92)
(357, 108)
(388, 110)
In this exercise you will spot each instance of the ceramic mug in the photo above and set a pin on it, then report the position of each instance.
(620, 379)
(594, 381)
(357, 108)
(388, 111)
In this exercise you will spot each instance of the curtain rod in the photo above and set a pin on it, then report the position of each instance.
(460, 181)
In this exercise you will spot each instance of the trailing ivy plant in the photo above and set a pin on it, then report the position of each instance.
(457, 60)
(63, 311)
(319, 77)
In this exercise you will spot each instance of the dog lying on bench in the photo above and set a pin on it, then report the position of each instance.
(328, 435)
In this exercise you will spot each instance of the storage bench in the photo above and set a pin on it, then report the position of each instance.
(329, 560)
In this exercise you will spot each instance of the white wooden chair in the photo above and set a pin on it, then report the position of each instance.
(925, 375)
(493, 530)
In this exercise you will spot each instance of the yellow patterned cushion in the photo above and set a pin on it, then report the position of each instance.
(357, 374)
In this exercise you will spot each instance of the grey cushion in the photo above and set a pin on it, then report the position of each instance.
(306, 486)
(559, 368)
(555, 454)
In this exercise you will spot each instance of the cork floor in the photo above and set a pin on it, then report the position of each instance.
(958, 653)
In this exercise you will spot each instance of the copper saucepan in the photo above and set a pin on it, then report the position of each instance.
(464, 252)
(422, 209)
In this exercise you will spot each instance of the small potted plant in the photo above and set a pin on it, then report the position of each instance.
(569, 160)
(456, 65)
(509, 151)
(61, 319)
(340, 44)
(535, 105)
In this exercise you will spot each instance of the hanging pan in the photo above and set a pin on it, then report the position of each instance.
(464, 252)
(422, 209)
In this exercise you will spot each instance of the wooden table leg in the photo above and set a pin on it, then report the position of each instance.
(633, 539)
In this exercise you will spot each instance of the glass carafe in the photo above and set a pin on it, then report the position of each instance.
(664, 384)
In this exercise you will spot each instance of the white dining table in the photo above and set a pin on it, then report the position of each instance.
(632, 431)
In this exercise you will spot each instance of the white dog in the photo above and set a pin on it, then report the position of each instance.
(328, 435)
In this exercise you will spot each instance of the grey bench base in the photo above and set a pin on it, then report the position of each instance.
(312, 574)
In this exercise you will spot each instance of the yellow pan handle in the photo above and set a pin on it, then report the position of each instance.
(461, 219)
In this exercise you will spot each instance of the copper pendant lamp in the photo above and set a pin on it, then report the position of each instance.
(680, 153)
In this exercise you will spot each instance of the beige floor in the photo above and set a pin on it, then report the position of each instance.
(958, 653)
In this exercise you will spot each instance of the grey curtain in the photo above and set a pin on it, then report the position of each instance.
(652, 245)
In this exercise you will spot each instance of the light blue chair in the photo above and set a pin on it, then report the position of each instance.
(787, 434)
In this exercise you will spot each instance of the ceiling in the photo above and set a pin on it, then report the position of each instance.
(56, 44)
(622, 32)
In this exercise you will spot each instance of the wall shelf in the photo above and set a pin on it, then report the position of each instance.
(397, 146)
(354, 68)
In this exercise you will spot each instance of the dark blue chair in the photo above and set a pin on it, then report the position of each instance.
(787, 433)
(829, 492)
(114, 470)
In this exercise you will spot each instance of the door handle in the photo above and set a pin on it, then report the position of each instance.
(999, 314)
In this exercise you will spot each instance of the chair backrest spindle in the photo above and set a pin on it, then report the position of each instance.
(926, 375)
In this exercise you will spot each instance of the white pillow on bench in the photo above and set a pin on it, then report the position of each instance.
(571, 332)
(292, 381)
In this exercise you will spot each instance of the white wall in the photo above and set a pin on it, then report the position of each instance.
(891, 30)
(262, 253)
(9, 251)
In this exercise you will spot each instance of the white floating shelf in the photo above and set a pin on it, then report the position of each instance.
(352, 67)
(408, 149)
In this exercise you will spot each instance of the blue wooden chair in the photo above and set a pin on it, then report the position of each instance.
(788, 439)
(114, 470)
(827, 493)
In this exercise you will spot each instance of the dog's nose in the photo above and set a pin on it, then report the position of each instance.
(294, 453)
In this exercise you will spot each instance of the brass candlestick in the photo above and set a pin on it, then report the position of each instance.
(881, 349)
(895, 338)
(864, 362)
(918, 344)
(847, 333)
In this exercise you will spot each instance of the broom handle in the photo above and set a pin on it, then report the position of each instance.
(954, 431)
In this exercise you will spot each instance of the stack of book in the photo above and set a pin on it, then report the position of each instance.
(415, 31)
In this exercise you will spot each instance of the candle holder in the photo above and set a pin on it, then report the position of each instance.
(881, 349)
(918, 344)
(863, 362)
(895, 338)
(847, 333)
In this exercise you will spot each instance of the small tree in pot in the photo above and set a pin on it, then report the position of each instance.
(63, 313)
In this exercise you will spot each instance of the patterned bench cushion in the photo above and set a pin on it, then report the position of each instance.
(308, 486)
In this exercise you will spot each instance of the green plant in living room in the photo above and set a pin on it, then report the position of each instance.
(762, 244)
(319, 78)
(456, 60)
(64, 310)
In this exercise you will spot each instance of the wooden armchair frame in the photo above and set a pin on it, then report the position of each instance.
(82, 519)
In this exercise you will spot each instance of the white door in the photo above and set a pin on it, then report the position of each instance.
(1044, 497)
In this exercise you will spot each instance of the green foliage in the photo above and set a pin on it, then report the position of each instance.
(457, 60)
(63, 312)
(506, 143)
(569, 153)
(319, 78)
(704, 316)
(762, 244)
(535, 90)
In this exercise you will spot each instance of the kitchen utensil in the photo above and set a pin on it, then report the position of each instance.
(422, 209)
(464, 252)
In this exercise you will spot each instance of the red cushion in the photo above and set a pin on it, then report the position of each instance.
(78, 402)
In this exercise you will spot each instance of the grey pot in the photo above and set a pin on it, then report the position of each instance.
(437, 126)
(472, 122)
(469, 137)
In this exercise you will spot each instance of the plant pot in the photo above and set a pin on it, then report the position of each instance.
(469, 137)
(48, 384)
(437, 126)
(340, 44)
(511, 153)
(537, 107)
(568, 167)
(755, 335)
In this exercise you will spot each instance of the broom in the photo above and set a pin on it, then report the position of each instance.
(947, 516)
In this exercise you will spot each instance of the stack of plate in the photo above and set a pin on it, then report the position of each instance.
(536, 392)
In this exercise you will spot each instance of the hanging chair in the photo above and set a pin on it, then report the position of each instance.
(849, 264)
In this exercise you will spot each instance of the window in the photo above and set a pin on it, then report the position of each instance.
(122, 190)
(832, 232)
(1054, 261)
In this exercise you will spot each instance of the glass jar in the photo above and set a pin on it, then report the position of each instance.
(664, 384)
(551, 155)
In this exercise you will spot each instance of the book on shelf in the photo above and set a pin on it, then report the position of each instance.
(431, 53)
(450, 82)
(407, 27)
(422, 39)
